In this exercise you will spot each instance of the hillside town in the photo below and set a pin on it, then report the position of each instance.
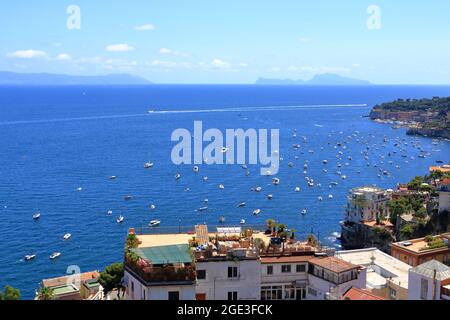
(396, 241)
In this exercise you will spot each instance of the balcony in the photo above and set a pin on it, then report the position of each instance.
(161, 274)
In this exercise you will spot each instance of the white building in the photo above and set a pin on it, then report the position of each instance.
(386, 276)
(367, 204)
(429, 281)
(307, 277)
(161, 273)
(228, 278)
(444, 197)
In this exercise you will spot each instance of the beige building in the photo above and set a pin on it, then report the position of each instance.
(386, 276)
(366, 204)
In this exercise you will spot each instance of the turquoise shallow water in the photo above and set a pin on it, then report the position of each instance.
(55, 140)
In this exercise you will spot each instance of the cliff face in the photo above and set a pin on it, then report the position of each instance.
(359, 236)
(429, 132)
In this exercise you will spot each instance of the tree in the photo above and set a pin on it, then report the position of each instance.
(111, 277)
(10, 293)
(271, 225)
(45, 294)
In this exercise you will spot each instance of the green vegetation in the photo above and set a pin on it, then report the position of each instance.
(407, 231)
(436, 104)
(431, 114)
(433, 243)
(10, 293)
(111, 277)
(45, 294)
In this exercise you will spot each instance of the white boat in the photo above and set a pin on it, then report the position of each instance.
(330, 196)
(79, 189)
(320, 198)
(240, 205)
(112, 177)
(276, 181)
(243, 221)
(205, 178)
(36, 216)
(177, 176)
(30, 257)
(128, 198)
(154, 223)
(120, 219)
(202, 209)
(304, 212)
(67, 236)
(196, 169)
(256, 212)
(269, 196)
(152, 207)
(258, 189)
(224, 150)
(325, 161)
(221, 186)
(297, 189)
(55, 255)
(148, 165)
(109, 212)
(222, 219)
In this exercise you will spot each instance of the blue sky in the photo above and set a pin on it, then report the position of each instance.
(233, 41)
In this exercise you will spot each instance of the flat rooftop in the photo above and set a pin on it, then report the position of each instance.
(159, 240)
(367, 189)
(391, 268)
(419, 246)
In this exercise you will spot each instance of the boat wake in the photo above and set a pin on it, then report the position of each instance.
(165, 112)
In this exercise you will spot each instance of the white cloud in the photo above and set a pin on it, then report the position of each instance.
(220, 64)
(145, 27)
(165, 51)
(168, 51)
(303, 40)
(316, 70)
(27, 54)
(110, 64)
(122, 47)
(63, 57)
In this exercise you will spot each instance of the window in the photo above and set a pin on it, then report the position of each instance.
(132, 286)
(269, 269)
(143, 294)
(272, 293)
(423, 289)
(232, 272)
(300, 268)
(201, 274)
(286, 268)
(312, 291)
(392, 294)
(232, 295)
(174, 295)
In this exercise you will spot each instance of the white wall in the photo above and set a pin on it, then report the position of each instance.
(217, 284)
(137, 291)
(322, 287)
(444, 201)
(415, 287)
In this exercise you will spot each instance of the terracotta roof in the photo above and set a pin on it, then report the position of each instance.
(55, 282)
(286, 259)
(359, 294)
(333, 264)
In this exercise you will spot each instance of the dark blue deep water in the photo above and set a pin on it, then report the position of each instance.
(54, 140)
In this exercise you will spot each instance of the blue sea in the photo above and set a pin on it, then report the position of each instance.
(54, 140)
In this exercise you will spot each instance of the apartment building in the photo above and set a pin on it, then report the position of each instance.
(235, 264)
(429, 281)
(417, 251)
(367, 204)
(386, 276)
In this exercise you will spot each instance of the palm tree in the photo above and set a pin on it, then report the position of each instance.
(271, 225)
(45, 294)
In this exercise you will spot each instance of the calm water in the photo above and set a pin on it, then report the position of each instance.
(55, 140)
